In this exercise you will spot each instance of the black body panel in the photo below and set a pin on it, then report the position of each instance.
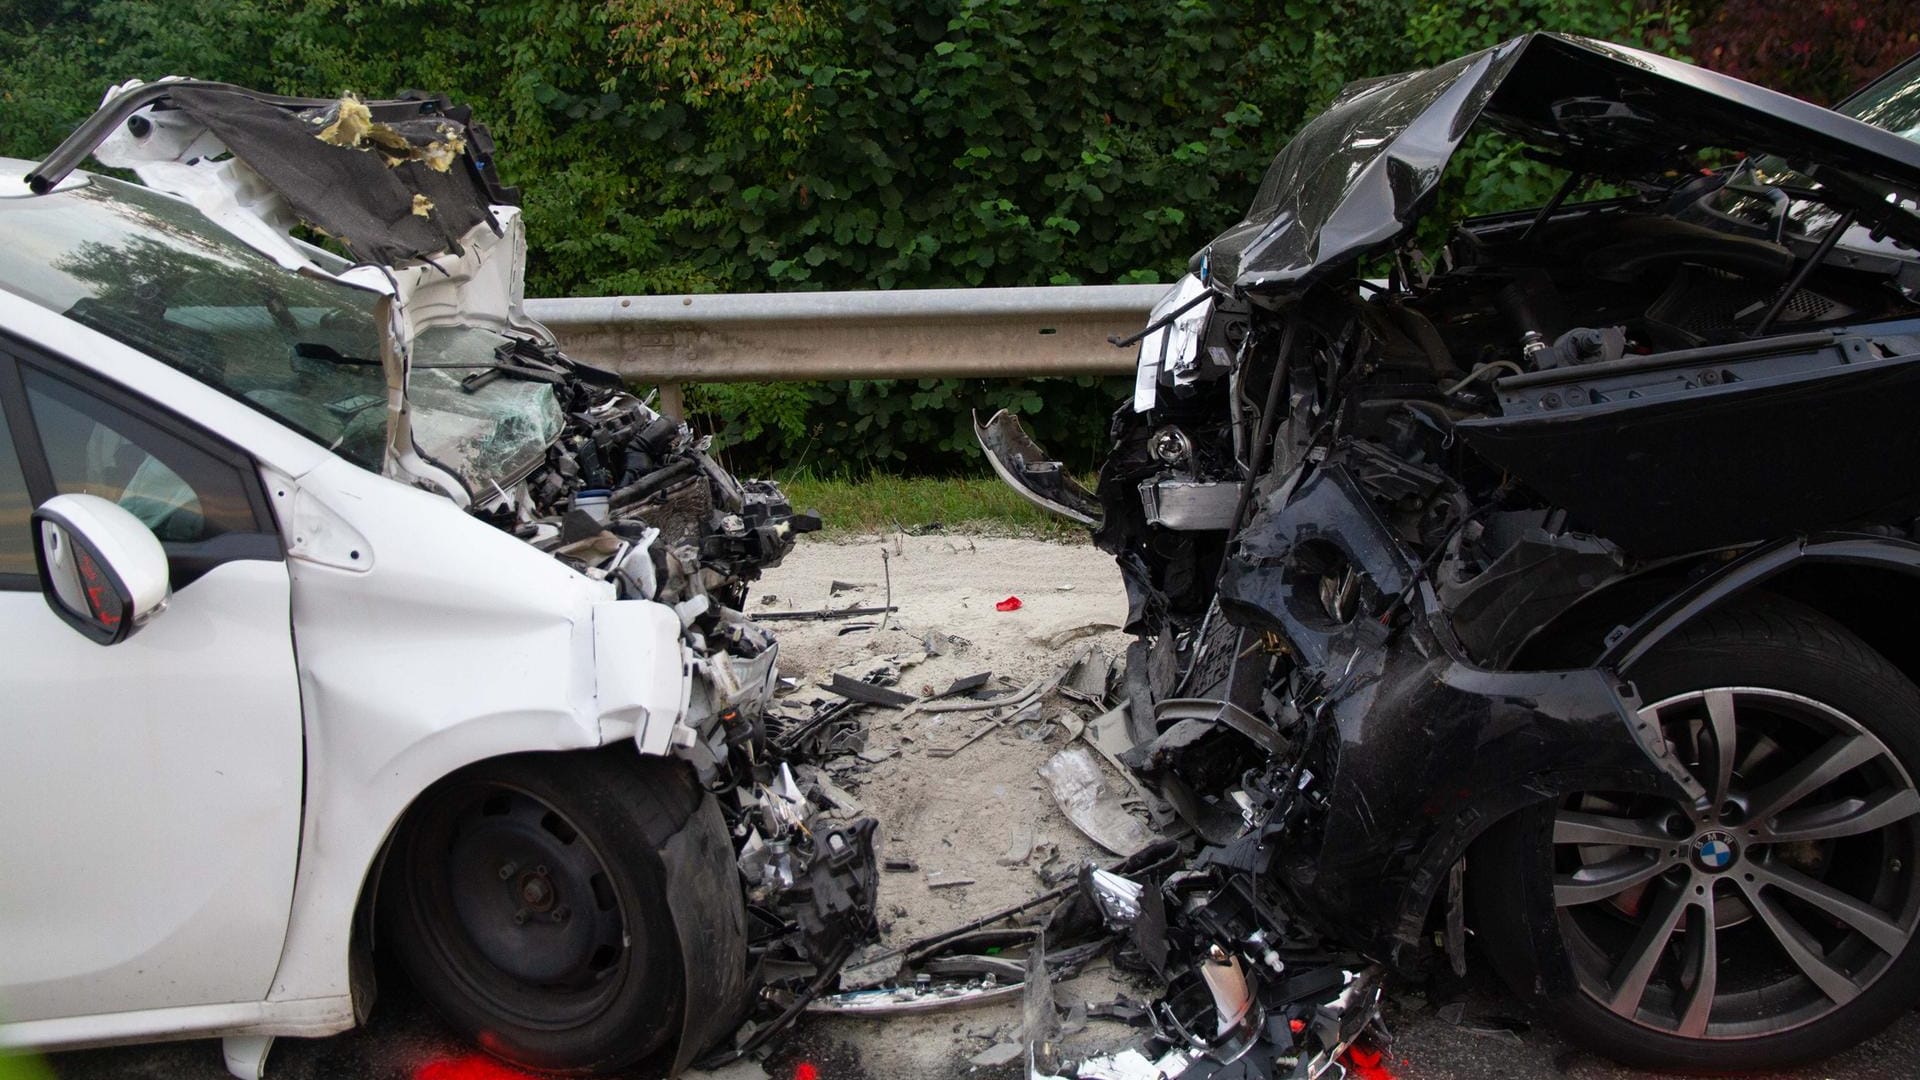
(1721, 453)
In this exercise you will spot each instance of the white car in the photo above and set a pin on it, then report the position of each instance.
(340, 611)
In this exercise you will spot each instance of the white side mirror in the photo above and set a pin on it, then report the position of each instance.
(101, 568)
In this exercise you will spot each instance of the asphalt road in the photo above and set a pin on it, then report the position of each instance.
(1479, 1038)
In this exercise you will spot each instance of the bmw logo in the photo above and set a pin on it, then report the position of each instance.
(1713, 851)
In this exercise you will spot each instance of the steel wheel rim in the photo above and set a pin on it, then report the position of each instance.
(1776, 899)
(500, 851)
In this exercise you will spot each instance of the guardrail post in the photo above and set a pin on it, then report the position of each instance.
(673, 401)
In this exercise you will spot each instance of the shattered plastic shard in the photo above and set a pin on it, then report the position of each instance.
(1133, 1065)
(1117, 897)
(1091, 803)
(1011, 603)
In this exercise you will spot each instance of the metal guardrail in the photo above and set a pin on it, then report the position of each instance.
(883, 334)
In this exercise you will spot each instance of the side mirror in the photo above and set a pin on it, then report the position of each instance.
(101, 568)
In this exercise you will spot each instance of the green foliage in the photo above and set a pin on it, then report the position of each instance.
(1821, 52)
(1492, 173)
(898, 425)
(883, 502)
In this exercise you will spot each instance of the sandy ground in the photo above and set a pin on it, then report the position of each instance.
(955, 816)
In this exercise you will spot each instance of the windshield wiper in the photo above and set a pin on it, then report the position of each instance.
(314, 350)
(511, 360)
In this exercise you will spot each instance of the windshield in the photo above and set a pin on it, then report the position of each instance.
(1891, 102)
(154, 273)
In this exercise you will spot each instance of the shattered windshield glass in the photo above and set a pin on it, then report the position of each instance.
(490, 429)
(156, 274)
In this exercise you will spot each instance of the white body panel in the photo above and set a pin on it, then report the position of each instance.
(445, 642)
(461, 643)
(152, 801)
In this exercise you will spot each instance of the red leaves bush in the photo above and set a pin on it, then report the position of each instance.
(1820, 50)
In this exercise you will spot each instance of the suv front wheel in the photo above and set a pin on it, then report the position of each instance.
(1772, 923)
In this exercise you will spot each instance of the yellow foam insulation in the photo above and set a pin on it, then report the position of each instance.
(350, 126)
(422, 206)
(355, 129)
(440, 156)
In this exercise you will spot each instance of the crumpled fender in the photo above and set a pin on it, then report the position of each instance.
(1433, 751)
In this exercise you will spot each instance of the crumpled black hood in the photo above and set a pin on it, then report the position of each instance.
(1356, 178)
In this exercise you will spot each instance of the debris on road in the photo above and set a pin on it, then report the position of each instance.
(823, 614)
(1087, 799)
(966, 684)
(1067, 637)
(998, 1054)
(1019, 849)
(1011, 603)
(899, 1001)
(869, 693)
(1146, 928)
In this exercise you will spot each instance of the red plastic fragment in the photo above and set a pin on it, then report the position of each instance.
(1011, 603)
(805, 1071)
(1365, 1064)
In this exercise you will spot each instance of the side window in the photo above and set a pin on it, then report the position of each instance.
(183, 493)
(16, 514)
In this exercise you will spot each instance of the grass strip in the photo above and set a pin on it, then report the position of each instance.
(884, 503)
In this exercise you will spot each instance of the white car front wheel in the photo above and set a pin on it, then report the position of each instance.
(527, 898)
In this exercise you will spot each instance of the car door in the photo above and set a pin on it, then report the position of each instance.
(150, 791)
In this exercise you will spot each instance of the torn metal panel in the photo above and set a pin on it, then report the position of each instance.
(349, 168)
(1352, 180)
(908, 1000)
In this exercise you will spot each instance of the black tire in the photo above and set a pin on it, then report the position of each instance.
(526, 898)
(1791, 980)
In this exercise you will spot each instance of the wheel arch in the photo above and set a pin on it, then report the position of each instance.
(1860, 582)
(1863, 583)
(1766, 642)
(364, 936)
(706, 915)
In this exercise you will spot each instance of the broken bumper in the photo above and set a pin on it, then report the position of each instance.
(1408, 750)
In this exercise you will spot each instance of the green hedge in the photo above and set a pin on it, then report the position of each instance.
(745, 145)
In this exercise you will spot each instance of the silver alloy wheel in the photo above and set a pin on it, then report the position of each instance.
(1777, 897)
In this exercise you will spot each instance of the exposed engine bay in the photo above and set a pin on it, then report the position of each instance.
(1392, 524)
